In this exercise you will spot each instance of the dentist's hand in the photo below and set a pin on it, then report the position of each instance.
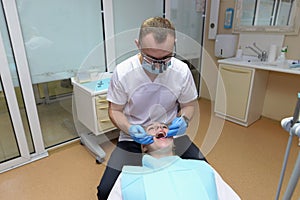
(177, 127)
(139, 135)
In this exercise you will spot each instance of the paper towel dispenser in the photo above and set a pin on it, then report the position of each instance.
(225, 45)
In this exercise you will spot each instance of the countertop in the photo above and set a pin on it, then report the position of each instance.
(253, 62)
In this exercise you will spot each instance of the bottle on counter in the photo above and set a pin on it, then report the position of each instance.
(281, 60)
(272, 53)
(239, 53)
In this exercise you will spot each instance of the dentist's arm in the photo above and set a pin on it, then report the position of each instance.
(187, 109)
(118, 118)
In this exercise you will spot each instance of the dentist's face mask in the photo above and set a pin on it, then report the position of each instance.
(155, 66)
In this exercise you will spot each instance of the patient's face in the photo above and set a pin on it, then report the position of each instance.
(159, 132)
(157, 129)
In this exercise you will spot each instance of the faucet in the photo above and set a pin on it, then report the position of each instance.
(261, 54)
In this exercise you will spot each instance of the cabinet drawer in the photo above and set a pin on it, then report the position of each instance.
(101, 108)
(102, 112)
(101, 99)
(104, 124)
(103, 120)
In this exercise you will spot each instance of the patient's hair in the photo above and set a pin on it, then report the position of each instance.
(160, 27)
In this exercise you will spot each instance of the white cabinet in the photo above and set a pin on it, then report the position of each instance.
(92, 107)
(240, 93)
(92, 111)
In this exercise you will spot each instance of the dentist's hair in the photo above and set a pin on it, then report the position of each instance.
(160, 28)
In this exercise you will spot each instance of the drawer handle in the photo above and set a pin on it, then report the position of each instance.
(235, 70)
(103, 107)
(101, 96)
(104, 120)
(102, 101)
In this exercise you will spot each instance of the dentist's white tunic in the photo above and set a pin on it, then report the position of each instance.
(145, 100)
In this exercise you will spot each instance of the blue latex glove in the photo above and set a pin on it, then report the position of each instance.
(177, 127)
(139, 135)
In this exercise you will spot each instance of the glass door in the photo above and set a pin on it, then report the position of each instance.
(20, 135)
(13, 143)
(61, 37)
(188, 17)
(126, 27)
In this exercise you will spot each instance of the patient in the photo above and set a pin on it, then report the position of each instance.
(166, 176)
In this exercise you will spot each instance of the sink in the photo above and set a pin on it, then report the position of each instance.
(253, 60)
(247, 59)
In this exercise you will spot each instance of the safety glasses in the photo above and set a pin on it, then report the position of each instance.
(164, 62)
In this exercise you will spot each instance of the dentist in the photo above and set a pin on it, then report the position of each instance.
(150, 86)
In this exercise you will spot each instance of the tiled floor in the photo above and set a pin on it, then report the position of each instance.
(249, 159)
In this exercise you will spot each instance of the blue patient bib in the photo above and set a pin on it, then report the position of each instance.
(168, 178)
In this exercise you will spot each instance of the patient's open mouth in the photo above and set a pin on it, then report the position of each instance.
(160, 135)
